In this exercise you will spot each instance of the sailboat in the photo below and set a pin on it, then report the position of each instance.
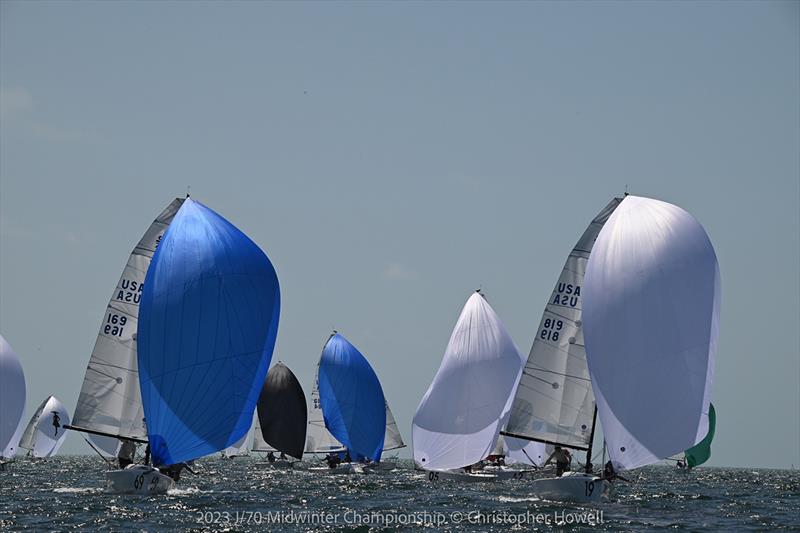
(352, 403)
(282, 415)
(700, 452)
(45, 432)
(651, 324)
(554, 404)
(320, 441)
(458, 421)
(109, 406)
(208, 320)
(12, 401)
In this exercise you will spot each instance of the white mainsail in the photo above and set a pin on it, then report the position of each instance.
(651, 322)
(320, 440)
(392, 440)
(554, 401)
(45, 432)
(12, 397)
(110, 401)
(459, 418)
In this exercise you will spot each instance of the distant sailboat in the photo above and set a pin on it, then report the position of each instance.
(320, 441)
(45, 432)
(701, 452)
(458, 421)
(208, 320)
(352, 403)
(110, 404)
(554, 404)
(651, 324)
(12, 400)
(282, 413)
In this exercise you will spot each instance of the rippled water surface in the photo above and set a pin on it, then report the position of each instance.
(246, 494)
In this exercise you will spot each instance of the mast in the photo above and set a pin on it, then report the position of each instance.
(591, 441)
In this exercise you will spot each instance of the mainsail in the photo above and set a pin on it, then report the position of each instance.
(282, 412)
(701, 452)
(110, 401)
(459, 418)
(651, 322)
(554, 403)
(207, 326)
(45, 432)
(352, 399)
(392, 439)
(12, 397)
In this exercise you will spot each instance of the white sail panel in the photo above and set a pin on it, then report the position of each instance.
(110, 399)
(10, 450)
(554, 401)
(392, 439)
(526, 452)
(459, 418)
(240, 447)
(651, 305)
(12, 394)
(45, 432)
(318, 438)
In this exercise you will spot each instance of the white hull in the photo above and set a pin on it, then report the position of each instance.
(503, 473)
(383, 466)
(138, 479)
(572, 487)
(344, 468)
(459, 475)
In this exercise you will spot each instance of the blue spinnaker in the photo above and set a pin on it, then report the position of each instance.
(208, 319)
(352, 399)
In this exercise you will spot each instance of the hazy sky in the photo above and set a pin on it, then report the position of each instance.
(392, 157)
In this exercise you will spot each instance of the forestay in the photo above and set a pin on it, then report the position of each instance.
(554, 401)
(45, 432)
(282, 411)
(207, 326)
(12, 396)
(651, 322)
(110, 401)
(459, 418)
(352, 399)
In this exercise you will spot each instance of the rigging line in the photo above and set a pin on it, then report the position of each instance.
(555, 373)
(98, 453)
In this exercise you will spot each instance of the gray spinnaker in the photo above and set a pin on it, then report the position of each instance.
(282, 411)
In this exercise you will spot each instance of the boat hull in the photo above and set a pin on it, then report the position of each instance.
(138, 479)
(572, 487)
(342, 469)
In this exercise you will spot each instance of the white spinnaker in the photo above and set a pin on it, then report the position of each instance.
(110, 400)
(459, 418)
(392, 439)
(651, 322)
(318, 438)
(11, 448)
(554, 400)
(45, 432)
(12, 394)
(526, 452)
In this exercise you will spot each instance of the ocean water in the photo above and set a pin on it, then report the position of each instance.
(246, 494)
